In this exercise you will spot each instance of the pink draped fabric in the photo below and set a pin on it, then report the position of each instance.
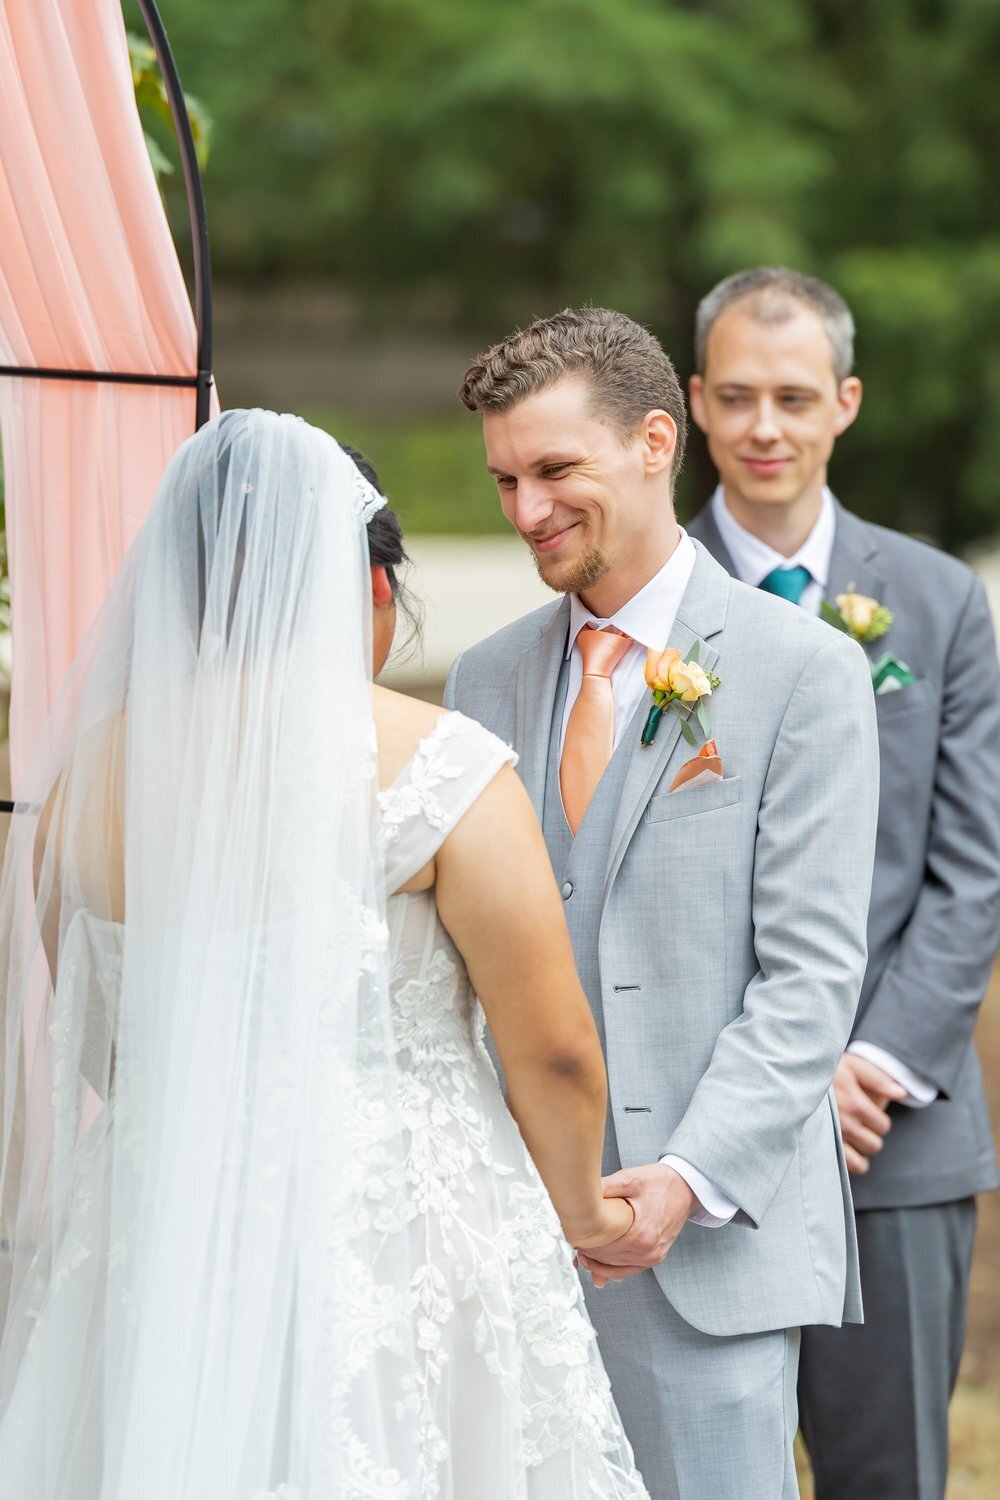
(89, 279)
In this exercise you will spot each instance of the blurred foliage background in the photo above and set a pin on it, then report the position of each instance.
(452, 170)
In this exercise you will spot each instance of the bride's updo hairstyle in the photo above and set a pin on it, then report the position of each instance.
(386, 548)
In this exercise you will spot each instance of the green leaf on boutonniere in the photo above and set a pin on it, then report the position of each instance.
(833, 617)
(688, 732)
(695, 653)
(702, 716)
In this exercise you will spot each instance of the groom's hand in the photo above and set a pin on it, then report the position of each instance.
(864, 1093)
(662, 1202)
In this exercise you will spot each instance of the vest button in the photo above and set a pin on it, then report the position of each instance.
(567, 890)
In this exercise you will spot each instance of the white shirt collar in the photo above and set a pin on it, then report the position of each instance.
(754, 559)
(647, 617)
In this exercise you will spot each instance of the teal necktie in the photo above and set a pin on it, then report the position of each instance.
(787, 583)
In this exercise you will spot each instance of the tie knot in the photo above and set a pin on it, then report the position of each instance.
(787, 583)
(601, 650)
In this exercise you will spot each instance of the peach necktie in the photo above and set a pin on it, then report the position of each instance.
(590, 730)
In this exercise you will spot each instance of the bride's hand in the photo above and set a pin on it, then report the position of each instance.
(615, 1218)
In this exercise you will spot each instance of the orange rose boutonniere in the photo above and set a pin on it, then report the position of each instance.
(683, 684)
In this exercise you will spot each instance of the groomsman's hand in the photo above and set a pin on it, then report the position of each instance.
(662, 1202)
(864, 1093)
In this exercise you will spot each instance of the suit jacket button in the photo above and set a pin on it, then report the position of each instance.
(567, 890)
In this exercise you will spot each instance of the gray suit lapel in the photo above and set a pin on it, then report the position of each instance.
(537, 677)
(704, 530)
(701, 616)
(854, 559)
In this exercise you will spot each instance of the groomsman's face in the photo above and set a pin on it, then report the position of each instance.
(587, 501)
(771, 406)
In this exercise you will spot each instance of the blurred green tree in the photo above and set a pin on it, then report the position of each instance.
(476, 165)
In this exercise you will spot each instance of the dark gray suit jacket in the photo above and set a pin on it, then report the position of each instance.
(934, 921)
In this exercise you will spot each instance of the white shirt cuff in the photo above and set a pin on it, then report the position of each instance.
(919, 1091)
(713, 1209)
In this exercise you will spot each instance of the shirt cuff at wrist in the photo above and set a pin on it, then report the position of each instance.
(713, 1209)
(919, 1091)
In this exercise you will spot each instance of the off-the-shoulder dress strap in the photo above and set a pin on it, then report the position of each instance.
(450, 769)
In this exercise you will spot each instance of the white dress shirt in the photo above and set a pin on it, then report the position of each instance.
(753, 560)
(648, 617)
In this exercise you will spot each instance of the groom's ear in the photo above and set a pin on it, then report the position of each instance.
(658, 434)
(381, 587)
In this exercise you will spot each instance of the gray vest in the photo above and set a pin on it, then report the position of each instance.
(580, 865)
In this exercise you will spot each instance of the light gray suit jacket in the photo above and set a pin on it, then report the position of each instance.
(934, 924)
(724, 947)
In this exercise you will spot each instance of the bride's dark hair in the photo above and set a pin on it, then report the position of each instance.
(385, 544)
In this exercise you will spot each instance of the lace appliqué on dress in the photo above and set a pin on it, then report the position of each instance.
(429, 769)
(496, 1308)
(516, 1284)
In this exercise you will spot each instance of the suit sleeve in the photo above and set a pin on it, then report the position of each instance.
(772, 1067)
(925, 1006)
(451, 686)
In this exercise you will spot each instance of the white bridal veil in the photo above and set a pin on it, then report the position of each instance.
(200, 1134)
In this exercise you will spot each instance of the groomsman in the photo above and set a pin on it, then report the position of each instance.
(773, 392)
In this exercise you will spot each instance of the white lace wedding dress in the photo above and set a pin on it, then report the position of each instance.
(510, 1400)
(267, 1231)
(513, 1397)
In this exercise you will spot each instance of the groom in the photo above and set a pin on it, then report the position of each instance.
(716, 901)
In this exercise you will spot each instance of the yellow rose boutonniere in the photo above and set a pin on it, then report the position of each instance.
(859, 616)
(864, 619)
(684, 684)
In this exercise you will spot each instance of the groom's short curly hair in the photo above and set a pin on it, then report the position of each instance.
(628, 369)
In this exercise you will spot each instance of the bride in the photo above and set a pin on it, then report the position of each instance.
(267, 1229)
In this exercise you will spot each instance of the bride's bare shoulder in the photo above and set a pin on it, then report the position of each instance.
(401, 723)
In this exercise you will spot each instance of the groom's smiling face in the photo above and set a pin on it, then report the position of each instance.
(587, 500)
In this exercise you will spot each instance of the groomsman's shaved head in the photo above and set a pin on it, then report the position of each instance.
(773, 294)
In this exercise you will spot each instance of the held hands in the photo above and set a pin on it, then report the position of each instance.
(615, 1218)
(864, 1093)
(661, 1201)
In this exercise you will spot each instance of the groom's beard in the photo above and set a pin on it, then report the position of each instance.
(574, 576)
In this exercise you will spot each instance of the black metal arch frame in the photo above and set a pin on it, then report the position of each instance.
(201, 382)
